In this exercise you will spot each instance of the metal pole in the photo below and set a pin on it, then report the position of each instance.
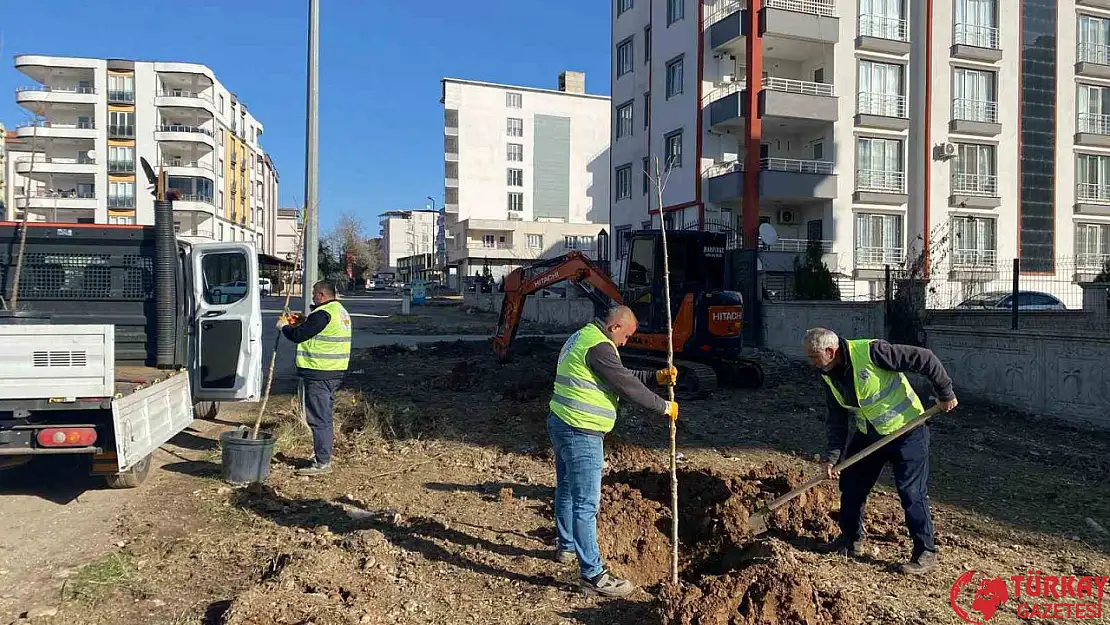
(917, 146)
(311, 165)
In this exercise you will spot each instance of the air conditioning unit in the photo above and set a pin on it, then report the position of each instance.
(787, 216)
(948, 150)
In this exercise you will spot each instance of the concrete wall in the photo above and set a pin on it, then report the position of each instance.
(785, 323)
(1027, 320)
(1058, 375)
(554, 311)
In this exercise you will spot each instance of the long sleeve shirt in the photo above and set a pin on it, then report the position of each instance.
(307, 329)
(900, 358)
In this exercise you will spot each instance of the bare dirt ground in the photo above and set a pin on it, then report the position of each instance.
(440, 512)
(448, 317)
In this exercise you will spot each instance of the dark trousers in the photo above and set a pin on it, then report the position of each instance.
(909, 457)
(319, 397)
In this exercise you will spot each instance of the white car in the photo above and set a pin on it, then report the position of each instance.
(265, 287)
(230, 292)
(1003, 300)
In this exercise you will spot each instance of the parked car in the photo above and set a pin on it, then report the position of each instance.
(265, 287)
(1003, 300)
(230, 292)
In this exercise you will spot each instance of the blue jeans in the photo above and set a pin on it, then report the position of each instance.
(909, 456)
(578, 462)
(319, 396)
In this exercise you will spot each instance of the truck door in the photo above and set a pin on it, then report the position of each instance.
(227, 323)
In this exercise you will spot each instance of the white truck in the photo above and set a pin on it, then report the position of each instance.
(123, 335)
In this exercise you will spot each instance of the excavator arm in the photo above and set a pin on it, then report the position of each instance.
(524, 281)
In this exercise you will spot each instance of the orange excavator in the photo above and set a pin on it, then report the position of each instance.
(707, 318)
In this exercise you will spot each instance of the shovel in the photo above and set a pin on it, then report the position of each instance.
(758, 521)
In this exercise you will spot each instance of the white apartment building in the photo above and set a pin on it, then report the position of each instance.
(407, 233)
(1017, 131)
(90, 121)
(287, 227)
(3, 170)
(525, 172)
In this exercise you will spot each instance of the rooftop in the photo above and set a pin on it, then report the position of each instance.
(479, 83)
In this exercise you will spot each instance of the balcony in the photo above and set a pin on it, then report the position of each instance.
(192, 202)
(49, 130)
(26, 165)
(1092, 59)
(879, 257)
(1092, 198)
(789, 24)
(882, 110)
(878, 186)
(1093, 130)
(184, 98)
(1091, 263)
(57, 94)
(184, 134)
(182, 167)
(974, 191)
(797, 99)
(975, 43)
(975, 117)
(878, 33)
(779, 178)
(63, 200)
(1098, 4)
(800, 246)
(974, 264)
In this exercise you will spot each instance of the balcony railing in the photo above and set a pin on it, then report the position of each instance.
(799, 246)
(795, 165)
(1094, 124)
(120, 167)
(1091, 261)
(121, 96)
(489, 246)
(58, 89)
(64, 195)
(57, 160)
(1097, 53)
(970, 110)
(1093, 192)
(790, 85)
(195, 197)
(882, 104)
(976, 36)
(879, 256)
(47, 124)
(720, 169)
(880, 181)
(183, 93)
(975, 184)
(184, 128)
(120, 201)
(974, 258)
(724, 91)
(883, 27)
(179, 162)
(719, 10)
(813, 7)
(121, 131)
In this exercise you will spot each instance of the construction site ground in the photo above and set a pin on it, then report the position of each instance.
(439, 511)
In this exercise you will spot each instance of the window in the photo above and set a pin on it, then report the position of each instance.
(976, 23)
(220, 104)
(973, 172)
(488, 241)
(879, 165)
(624, 237)
(121, 159)
(516, 201)
(673, 145)
(535, 241)
(1092, 246)
(578, 242)
(220, 205)
(624, 120)
(883, 19)
(647, 110)
(514, 100)
(676, 10)
(973, 96)
(624, 57)
(1092, 177)
(818, 151)
(878, 239)
(623, 186)
(622, 6)
(646, 174)
(121, 195)
(515, 152)
(121, 88)
(515, 127)
(973, 241)
(881, 90)
(123, 220)
(516, 177)
(121, 123)
(1094, 109)
(674, 77)
(647, 45)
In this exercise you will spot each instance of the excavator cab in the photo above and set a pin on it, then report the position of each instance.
(696, 262)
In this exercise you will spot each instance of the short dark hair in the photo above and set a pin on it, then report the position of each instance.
(324, 288)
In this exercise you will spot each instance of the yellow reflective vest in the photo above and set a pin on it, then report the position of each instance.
(330, 350)
(581, 398)
(886, 399)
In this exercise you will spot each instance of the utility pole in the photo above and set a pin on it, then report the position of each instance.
(918, 145)
(311, 164)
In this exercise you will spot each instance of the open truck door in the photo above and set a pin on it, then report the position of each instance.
(227, 323)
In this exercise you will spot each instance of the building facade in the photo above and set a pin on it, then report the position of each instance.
(407, 233)
(93, 119)
(1012, 168)
(287, 228)
(518, 159)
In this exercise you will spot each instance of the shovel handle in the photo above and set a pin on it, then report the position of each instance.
(867, 451)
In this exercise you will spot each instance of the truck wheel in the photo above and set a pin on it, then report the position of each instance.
(131, 478)
(206, 410)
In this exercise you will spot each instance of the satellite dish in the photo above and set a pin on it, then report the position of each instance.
(91, 154)
(768, 234)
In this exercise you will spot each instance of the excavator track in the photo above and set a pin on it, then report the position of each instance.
(695, 380)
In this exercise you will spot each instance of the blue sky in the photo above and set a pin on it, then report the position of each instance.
(381, 123)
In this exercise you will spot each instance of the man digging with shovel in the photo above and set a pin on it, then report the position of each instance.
(867, 387)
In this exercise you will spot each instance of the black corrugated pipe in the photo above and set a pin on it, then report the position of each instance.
(165, 263)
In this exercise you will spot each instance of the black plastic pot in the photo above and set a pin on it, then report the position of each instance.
(245, 460)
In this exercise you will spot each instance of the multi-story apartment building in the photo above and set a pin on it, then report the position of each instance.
(1016, 150)
(407, 233)
(269, 196)
(525, 170)
(92, 119)
(3, 170)
(287, 228)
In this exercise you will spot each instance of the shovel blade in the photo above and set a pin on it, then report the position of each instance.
(757, 523)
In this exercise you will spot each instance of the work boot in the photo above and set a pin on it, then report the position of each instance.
(565, 557)
(607, 585)
(925, 563)
(844, 547)
(314, 469)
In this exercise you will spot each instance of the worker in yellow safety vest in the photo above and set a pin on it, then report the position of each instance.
(589, 381)
(323, 352)
(868, 397)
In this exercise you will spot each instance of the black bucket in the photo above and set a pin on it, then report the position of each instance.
(245, 460)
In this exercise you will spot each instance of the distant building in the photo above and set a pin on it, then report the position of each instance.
(521, 162)
(407, 233)
(286, 228)
(3, 172)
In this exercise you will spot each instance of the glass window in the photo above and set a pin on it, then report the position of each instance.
(878, 239)
(676, 10)
(514, 100)
(535, 241)
(880, 165)
(673, 144)
(674, 77)
(516, 177)
(624, 120)
(516, 201)
(225, 277)
(622, 6)
(881, 89)
(515, 152)
(624, 57)
(515, 127)
(623, 182)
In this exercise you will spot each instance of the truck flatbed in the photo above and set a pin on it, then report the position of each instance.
(130, 379)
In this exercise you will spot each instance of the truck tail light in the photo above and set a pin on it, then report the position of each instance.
(67, 437)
